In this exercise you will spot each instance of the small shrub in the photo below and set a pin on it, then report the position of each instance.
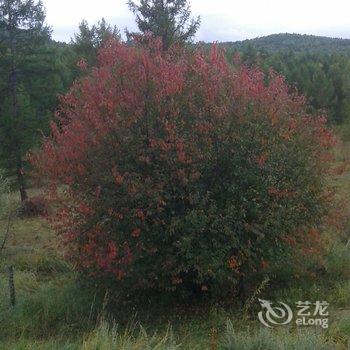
(179, 172)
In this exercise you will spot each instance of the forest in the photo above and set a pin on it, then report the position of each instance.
(162, 193)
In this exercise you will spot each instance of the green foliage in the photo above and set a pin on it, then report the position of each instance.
(18, 134)
(88, 41)
(168, 19)
(32, 74)
(318, 67)
(324, 79)
(295, 42)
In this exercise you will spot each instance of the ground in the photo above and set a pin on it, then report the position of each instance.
(54, 311)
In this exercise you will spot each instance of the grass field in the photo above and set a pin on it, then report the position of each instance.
(54, 311)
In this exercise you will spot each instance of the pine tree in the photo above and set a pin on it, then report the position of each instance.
(23, 33)
(250, 55)
(88, 41)
(168, 19)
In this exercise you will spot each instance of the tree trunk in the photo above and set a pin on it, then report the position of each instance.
(21, 180)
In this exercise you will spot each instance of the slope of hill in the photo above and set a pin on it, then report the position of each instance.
(294, 42)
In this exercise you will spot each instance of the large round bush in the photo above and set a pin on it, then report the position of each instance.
(175, 170)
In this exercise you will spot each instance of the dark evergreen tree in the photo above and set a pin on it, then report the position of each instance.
(168, 19)
(250, 55)
(88, 41)
(32, 76)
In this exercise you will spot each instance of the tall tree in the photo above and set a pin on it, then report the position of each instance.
(250, 55)
(168, 19)
(89, 40)
(23, 34)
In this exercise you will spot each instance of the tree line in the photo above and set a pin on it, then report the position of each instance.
(324, 78)
(296, 42)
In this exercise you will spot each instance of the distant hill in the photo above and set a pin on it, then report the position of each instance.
(295, 43)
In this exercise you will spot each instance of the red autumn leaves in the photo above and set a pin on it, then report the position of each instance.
(176, 168)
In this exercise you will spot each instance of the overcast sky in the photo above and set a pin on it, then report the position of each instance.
(222, 20)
